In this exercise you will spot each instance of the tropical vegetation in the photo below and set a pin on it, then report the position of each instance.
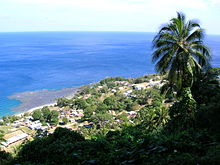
(166, 128)
(180, 52)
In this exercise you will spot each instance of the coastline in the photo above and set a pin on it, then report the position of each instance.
(32, 100)
(33, 109)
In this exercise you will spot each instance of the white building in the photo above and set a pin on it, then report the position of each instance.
(29, 118)
(132, 113)
(139, 87)
(15, 139)
(121, 88)
(154, 83)
(127, 93)
(72, 120)
(35, 125)
(44, 128)
(114, 90)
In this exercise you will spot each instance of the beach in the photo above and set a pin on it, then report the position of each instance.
(32, 100)
(70, 59)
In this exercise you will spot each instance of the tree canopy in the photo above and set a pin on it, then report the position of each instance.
(180, 52)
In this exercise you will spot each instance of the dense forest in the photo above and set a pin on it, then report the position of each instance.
(178, 123)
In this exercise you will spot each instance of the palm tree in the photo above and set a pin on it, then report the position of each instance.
(179, 51)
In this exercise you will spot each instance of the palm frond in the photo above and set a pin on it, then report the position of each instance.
(197, 35)
(180, 52)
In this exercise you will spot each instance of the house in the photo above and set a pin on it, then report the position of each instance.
(127, 93)
(45, 128)
(29, 118)
(62, 116)
(139, 86)
(114, 90)
(122, 82)
(80, 114)
(74, 113)
(154, 83)
(80, 111)
(17, 124)
(77, 113)
(27, 121)
(72, 120)
(112, 112)
(81, 125)
(121, 88)
(61, 122)
(71, 115)
(15, 139)
(132, 113)
(35, 125)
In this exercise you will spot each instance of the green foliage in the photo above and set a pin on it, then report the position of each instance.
(80, 103)
(65, 120)
(140, 80)
(115, 103)
(88, 112)
(182, 113)
(206, 92)
(104, 90)
(141, 96)
(112, 79)
(5, 158)
(1, 136)
(10, 119)
(180, 52)
(130, 104)
(87, 90)
(156, 136)
(153, 116)
(45, 115)
(62, 102)
(101, 119)
(50, 149)
(123, 117)
(102, 108)
(54, 117)
(92, 101)
(37, 115)
(187, 133)
(206, 87)
(110, 83)
(184, 147)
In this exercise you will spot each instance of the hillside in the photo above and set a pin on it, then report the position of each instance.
(124, 121)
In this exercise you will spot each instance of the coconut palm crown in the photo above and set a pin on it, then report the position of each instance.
(179, 51)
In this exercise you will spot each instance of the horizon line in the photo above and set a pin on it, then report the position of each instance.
(34, 31)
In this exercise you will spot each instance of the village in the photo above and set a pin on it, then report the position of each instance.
(26, 127)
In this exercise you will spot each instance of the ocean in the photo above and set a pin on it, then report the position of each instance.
(31, 61)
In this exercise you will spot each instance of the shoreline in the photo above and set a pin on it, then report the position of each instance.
(33, 109)
(32, 100)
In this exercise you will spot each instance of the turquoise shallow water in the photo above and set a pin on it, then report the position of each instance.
(53, 60)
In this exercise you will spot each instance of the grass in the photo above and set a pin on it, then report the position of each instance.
(7, 129)
(27, 130)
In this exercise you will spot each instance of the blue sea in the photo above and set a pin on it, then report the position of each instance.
(31, 61)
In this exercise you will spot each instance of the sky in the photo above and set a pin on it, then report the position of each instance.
(104, 15)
